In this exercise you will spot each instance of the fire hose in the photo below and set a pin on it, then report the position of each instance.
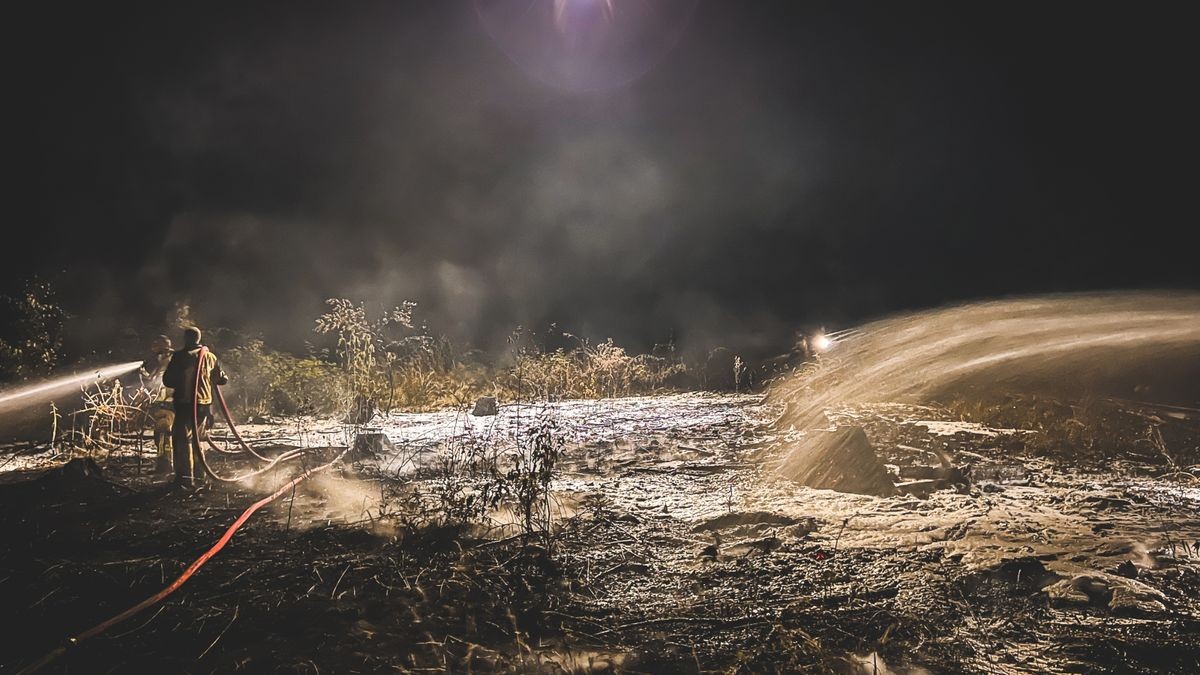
(196, 432)
(216, 548)
(246, 447)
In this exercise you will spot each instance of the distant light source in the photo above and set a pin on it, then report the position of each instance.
(586, 45)
(821, 342)
(562, 10)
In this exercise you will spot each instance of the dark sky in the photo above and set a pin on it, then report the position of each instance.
(786, 164)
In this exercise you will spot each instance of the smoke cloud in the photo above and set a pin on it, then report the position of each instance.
(780, 167)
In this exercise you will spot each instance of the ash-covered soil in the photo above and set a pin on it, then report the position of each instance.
(677, 549)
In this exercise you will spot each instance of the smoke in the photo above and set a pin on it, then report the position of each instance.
(329, 497)
(489, 211)
(580, 221)
(780, 165)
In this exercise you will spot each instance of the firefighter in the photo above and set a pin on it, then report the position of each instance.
(160, 409)
(156, 363)
(192, 381)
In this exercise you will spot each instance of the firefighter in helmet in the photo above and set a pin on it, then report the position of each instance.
(191, 374)
(160, 409)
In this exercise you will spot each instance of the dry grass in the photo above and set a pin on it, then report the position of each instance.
(605, 370)
(424, 373)
(1086, 430)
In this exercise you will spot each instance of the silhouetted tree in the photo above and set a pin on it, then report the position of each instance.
(31, 331)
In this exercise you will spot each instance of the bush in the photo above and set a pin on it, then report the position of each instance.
(421, 372)
(604, 370)
(475, 475)
(270, 382)
(31, 331)
(359, 343)
(426, 374)
(532, 473)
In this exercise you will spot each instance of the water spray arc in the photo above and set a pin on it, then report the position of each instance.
(43, 392)
(912, 357)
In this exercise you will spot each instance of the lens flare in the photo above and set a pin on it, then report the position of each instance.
(586, 45)
(566, 10)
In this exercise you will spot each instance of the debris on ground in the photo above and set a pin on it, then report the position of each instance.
(677, 546)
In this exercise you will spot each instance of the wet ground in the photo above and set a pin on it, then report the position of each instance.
(678, 549)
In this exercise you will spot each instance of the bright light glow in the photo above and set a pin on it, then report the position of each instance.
(561, 6)
(822, 342)
(586, 45)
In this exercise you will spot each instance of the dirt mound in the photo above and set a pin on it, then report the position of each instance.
(842, 460)
(1118, 594)
(737, 518)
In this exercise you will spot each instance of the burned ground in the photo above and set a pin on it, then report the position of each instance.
(677, 548)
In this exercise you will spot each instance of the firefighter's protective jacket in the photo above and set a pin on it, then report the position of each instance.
(180, 376)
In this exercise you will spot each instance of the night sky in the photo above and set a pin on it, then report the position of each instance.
(752, 168)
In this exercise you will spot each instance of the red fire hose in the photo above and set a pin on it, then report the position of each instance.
(246, 447)
(187, 574)
(216, 548)
(196, 430)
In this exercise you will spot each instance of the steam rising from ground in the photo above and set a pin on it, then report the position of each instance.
(1067, 340)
